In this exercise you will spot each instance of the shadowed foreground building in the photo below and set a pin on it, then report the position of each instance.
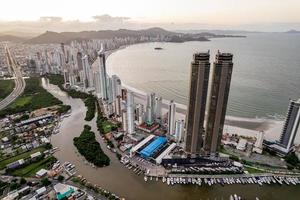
(217, 102)
(199, 77)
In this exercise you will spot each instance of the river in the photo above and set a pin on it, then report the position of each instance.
(125, 183)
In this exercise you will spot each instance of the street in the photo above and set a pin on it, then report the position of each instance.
(19, 81)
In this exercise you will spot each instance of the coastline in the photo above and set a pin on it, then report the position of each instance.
(233, 125)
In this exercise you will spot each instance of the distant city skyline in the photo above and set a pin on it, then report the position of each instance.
(256, 15)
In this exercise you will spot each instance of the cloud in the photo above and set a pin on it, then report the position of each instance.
(110, 19)
(50, 19)
(105, 22)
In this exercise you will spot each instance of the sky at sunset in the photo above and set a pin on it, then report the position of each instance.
(217, 13)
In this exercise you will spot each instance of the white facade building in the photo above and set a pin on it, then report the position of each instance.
(258, 146)
(158, 106)
(130, 113)
(171, 118)
(179, 130)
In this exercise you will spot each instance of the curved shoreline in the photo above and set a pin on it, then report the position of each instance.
(269, 126)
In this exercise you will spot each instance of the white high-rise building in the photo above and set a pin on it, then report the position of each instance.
(171, 118)
(124, 120)
(158, 106)
(110, 97)
(87, 73)
(150, 109)
(290, 128)
(97, 83)
(179, 130)
(117, 108)
(116, 93)
(140, 113)
(258, 146)
(130, 113)
(116, 86)
(102, 69)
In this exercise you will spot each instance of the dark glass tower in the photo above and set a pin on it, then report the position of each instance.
(199, 77)
(217, 102)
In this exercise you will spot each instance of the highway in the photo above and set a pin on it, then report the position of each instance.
(19, 80)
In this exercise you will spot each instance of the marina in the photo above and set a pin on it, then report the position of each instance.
(210, 180)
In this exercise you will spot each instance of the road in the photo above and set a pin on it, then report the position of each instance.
(19, 81)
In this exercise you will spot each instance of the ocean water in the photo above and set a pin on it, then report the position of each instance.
(266, 71)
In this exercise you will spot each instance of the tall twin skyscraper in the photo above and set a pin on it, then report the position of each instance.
(205, 138)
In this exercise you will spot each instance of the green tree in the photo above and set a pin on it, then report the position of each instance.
(23, 181)
(45, 182)
(292, 159)
(60, 178)
(14, 186)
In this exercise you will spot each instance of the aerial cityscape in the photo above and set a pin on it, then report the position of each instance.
(190, 104)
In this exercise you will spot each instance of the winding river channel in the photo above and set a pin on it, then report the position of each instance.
(118, 179)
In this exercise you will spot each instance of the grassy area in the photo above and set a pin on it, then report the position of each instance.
(253, 171)
(6, 87)
(88, 146)
(31, 169)
(33, 97)
(108, 126)
(21, 102)
(104, 126)
(24, 155)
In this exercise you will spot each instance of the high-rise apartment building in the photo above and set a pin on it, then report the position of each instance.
(158, 106)
(150, 108)
(217, 102)
(87, 73)
(199, 77)
(130, 113)
(179, 129)
(171, 118)
(140, 113)
(116, 86)
(290, 127)
(103, 74)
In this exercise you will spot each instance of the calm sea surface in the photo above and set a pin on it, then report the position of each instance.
(266, 71)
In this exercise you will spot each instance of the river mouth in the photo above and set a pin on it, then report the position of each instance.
(118, 179)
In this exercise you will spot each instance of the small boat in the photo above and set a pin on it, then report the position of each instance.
(158, 48)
